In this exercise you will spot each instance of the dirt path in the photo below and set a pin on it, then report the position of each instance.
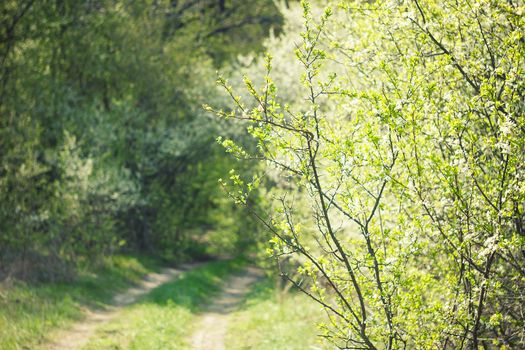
(78, 336)
(214, 322)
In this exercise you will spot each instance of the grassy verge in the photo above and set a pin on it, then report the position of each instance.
(268, 321)
(164, 318)
(28, 312)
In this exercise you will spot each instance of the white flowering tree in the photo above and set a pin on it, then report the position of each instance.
(408, 138)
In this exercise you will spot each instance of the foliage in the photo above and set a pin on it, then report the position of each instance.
(102, 146)
(407, 142)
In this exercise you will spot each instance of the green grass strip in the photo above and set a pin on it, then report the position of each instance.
(271, 320)
(164, 318)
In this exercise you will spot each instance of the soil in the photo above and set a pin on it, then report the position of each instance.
(214, 322)
(79, 334)
(211, 326)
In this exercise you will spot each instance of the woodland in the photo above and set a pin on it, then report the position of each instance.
(355, 167)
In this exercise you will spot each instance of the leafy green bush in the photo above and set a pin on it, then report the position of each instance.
(398, 159)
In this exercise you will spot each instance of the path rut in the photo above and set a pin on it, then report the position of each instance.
(214, 322)
(78, 336)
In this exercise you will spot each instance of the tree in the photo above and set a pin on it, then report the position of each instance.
(409, 148)
(101, 145)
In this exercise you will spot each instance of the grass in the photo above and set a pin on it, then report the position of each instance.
(164, 318)
(269, 321)
(28, 312)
